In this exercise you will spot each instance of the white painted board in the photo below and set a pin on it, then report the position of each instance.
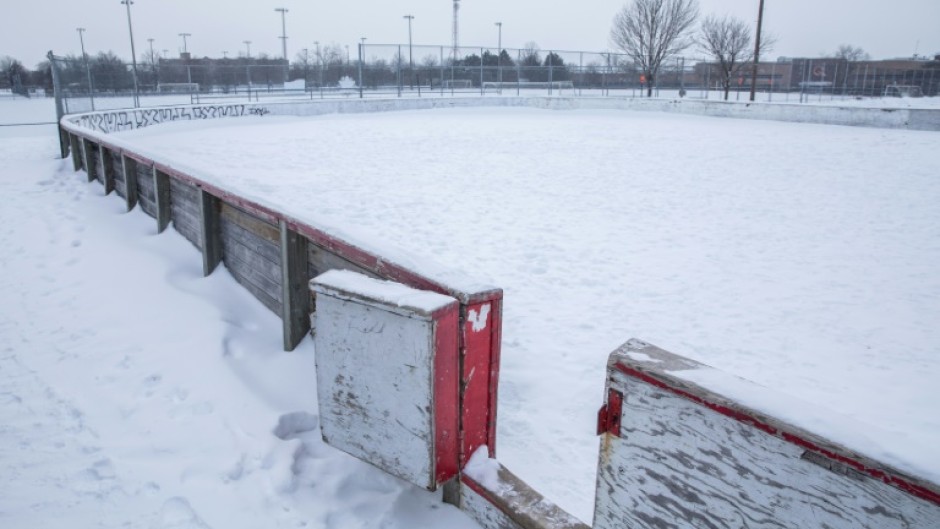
(375, 380)
(680, 464)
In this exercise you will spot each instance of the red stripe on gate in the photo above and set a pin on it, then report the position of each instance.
(478, 405)
(741, 416)
(446, 395)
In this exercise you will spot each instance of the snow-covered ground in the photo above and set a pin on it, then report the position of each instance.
(800, 256)
(135, 393)
(803, 257)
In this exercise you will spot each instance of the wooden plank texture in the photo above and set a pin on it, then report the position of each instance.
(107, 169)
(184, 211)
(295, 311)
(77, 154)
(130, 181)
(510, 503)
(687, 456)
(90, 159)
(210, 232)
(161, 194)
(375, 376)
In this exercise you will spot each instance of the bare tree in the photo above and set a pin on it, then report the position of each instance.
(728, 40)
(851, 53)
(650, 31)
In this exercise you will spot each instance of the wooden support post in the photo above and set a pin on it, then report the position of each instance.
(107, 164)
(295, 305)
(76, 152)
(161, 194)
(91, 162)
(130, 180)
(211, 231)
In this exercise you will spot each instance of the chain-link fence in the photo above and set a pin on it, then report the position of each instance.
(400, 70)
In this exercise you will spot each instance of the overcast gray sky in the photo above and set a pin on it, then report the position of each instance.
(884, 28)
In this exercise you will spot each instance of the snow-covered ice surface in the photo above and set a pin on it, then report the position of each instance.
(803, 257)
(135, 393)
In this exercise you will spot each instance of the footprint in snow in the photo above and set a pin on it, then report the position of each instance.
(177, 513)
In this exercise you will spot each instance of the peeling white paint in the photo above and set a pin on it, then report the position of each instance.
(478, 319)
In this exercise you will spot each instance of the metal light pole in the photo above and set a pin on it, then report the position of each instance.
(411, 61)
(91, 90)
(283, 12)
(319, 67)
(248, 45)
(224, 54)
(153, 65)
(130, 30)
(499, 53)
(760, 22)
(184, 35)
(362, 58)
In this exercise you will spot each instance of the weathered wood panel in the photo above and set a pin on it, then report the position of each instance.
(184, 211)
(295, 311)
(107, 169)
(687, 456)
(377, 360)
(90, 162)
(211, 232)
(321, 260)
(76, 150)
(250, 255)
(161, 191)
(145, 182)
(507, 502)
(130, 181)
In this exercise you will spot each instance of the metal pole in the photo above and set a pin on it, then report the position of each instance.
(248, 46)
(481, 71)
(442, 71)
(760, 23)
(130, 29)
(91, 90)
(59, 110)
(283, 12)
(153, 63)
(499, 53)
(361, 44)
(411, 59)
(184, 35)
(399, 71)
(550, 77)
(581, 71)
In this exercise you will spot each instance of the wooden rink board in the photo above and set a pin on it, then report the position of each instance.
(387, 378)
(683, 456)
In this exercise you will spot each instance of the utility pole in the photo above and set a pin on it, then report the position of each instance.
(283, 11)
(760, 22)
(130, 29)
(184, 35)
(411, 60)
(319, 66)
(91, 90)
(224, 54)
(153, 63)
(248, 44)
(499, 53)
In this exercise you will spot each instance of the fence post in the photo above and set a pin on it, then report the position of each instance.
(361, 53)
(129, 166)
(210, 225)
(161, 194)
(59, 110)
(550, 72)
(295, 299)
(76, 151)
(481, 71)
(91, 163)
(107, 165)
